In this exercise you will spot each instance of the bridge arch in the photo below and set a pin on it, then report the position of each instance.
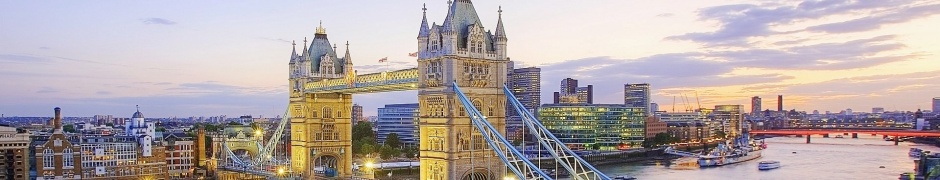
(479, 173)
(325, 164)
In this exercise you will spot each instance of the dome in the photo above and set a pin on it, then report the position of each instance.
(138, 115)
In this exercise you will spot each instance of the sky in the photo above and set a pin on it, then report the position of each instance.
(209, 58)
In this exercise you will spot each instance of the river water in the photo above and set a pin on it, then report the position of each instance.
(824, 158)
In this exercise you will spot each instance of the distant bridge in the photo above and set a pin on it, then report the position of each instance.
(854, 132)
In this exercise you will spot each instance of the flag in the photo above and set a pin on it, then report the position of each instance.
(414, 54)
(383, 59)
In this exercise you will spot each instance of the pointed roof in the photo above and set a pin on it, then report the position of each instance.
(423, 31)
(319, 46)
(293, 53)
(500, 32)
(460, 16)
(347, 57)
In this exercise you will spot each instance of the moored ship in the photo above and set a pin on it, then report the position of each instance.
(739, 150)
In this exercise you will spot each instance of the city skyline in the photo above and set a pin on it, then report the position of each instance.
(207, 59)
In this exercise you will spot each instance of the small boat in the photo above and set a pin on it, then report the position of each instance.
(768, 165)
(839, 136)
(624, 177)
(915, 152)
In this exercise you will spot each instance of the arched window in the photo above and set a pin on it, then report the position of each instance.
(48, 160)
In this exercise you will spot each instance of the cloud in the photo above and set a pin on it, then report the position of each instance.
(665, 15)
(45, 48)
(853, 54)
(23, 58)
(103, 93)
(157, 21)
(738, 22)
(45, 90)
(876, 21)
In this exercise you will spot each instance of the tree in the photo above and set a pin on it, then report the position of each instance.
(362, 130)
(234, 123)
(389, 152)
(366, 149)
(596, 146)
(69, 128)
(161, 129)
(410, 151)
(393, 141)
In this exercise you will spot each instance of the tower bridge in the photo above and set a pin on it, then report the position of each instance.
(462, 103)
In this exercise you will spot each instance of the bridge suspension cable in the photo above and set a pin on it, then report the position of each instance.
(574, 164)
(268, 149)
(517, 163)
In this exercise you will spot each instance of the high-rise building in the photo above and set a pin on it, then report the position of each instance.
(586, 94)
(779, 103)
(357, 113)
(200, 145)
(568, 87)
(525, 84)
(936, 105)
(877, 110)
(57, 156)
(401, 119)
(653, 108)
(14, 144)
(637, 95)
(755, 105)
(581, 126)
(730, 118)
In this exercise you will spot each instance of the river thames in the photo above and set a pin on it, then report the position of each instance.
(825, 158)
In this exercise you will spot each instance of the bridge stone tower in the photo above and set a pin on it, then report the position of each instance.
(461, 51)
(320, 124)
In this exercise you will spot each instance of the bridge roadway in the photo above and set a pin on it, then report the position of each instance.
(825, 132)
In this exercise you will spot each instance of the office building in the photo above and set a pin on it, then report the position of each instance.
(877, 110)
(180, 155)
(401, 119)
(57, 156)
(570, 93)
(525, 84)
(730, 118)
(568, 86)
(779, 103)
(688, 131)
(585, 94)
(637, 95)
(581, 126)
(755, 105)
(357, 113)
(936, 105)
(653, 108)
(14, 144)
(654, 126)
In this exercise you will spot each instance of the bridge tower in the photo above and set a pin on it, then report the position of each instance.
(320, 124)
(460, 50)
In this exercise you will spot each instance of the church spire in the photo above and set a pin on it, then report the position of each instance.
(423, 32)
(448, 25)
(500, 32)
